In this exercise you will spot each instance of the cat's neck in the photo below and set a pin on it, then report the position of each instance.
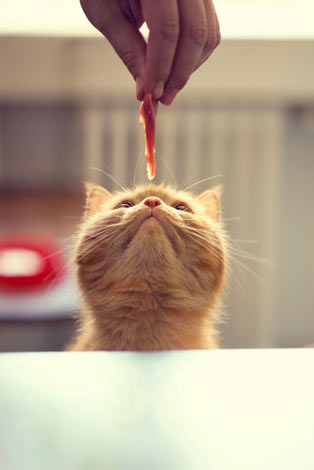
(138, 328)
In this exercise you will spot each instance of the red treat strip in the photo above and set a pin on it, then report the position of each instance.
(148, 117)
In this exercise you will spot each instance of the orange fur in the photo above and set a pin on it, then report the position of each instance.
(150, 275)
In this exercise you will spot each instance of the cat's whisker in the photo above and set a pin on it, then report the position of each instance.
(65, 216)
(62, 273)
(235, 249)
(246, 255)
(195, 233)
(241, 283)
(205, 241)
(231, 219)
(199, 233)
(62, 250)
(92, 244)
(246, 268)
(139, 160)
(193, 230)
(250, 257)
(170, 171)
(185, 180)
(99, 236)
(234, 252)
(60, 277)
(115, 180)
(201, 181)
(103, 226)
(239, 240)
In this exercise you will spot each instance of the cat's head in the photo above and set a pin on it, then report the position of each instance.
(155, 244)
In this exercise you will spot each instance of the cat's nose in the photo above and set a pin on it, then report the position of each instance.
(152, 202)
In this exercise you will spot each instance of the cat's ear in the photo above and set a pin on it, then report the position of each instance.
(95, 197)
(210, 201)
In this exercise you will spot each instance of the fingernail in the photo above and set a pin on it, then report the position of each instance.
(159, 90)
(169, 98)
(139, 88)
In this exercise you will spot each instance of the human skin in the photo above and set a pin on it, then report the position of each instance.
(183, 34)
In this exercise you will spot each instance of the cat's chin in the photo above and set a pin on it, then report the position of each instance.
(151, 226)
(151, 221)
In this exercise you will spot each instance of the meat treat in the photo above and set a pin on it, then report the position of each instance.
(148, 117)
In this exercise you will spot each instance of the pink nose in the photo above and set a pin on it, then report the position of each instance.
(152, 202)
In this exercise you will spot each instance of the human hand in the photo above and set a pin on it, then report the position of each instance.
(183, 34)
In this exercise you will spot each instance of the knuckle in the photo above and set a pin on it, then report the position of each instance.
(211, 42)
(102, 24)
(197, 34)
(180, 81)
(129, 58)
(169, 30)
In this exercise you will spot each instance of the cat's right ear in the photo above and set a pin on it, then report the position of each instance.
(210, 201)
(95, 197)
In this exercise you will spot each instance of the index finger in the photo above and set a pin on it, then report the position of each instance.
(162, 19)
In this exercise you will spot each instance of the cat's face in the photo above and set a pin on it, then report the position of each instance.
(154, 241)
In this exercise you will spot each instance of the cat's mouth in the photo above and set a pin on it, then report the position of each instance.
(156, 226)
(152, 221)
(151, 225)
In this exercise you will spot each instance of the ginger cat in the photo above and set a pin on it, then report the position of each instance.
(151, 264)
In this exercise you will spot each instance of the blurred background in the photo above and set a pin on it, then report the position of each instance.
(68, 113)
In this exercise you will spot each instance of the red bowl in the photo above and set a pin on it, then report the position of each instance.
(30, 263)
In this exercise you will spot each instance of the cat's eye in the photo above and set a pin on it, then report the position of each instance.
(180, 206)
(125, 204)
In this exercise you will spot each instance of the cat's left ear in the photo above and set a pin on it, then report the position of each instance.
(95, 197)
(210, 201)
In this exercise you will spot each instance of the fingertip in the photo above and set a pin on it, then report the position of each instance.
(140, 90)
(158, 90)
(169, 98)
